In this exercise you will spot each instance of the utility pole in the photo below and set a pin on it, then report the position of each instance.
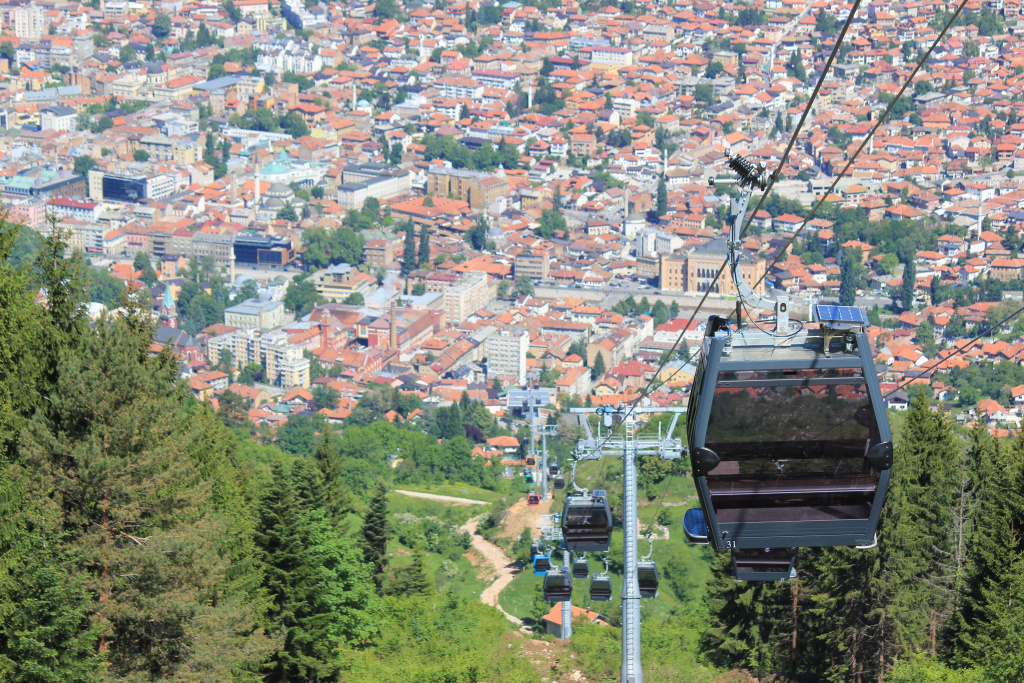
(631, 446)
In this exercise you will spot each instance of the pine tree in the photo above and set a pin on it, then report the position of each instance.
(409, 257)
(291, 585)
(599, 366)
(424, 252)
(413, 580)
(850, 276)
(662, 206)
(337, 496)
(908, 285)
(374, 535)
(309, 485)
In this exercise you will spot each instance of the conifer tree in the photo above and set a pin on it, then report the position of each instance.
(908, 284)
(424, 249)
(599, 366)
(309, 485)
(409, 257)
(374, 535)
(337, 496)
(413, 580)
(662, 205)
(291, 585)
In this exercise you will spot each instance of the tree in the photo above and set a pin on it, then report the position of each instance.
(140, 155)
(354, 299)
(385, 9)
(908, 285)
(424, 248)
(295, 125)
(287, 213)
(325, 396)
(301, 295)
(795, 67)
(662, 204)
(925, 336)
(504, 289)
(409, 256)
(337, 496)
(83, 163)
(291, 585)
(550, 223)
(412, 580)
(850, 276)
(127, 54)
(599, 366)
(233, 12)
(162, 26)
(477, 235)
(373, 537)
(523, 286)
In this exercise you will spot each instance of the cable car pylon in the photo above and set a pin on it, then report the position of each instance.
(630, 447)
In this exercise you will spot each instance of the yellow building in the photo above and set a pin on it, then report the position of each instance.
(694, 272)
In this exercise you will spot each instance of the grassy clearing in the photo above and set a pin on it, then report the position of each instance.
(455, 489)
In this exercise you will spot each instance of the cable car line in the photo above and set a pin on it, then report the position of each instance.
(864, 142)
(792, 141)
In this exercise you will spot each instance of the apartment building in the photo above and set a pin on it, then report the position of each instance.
(283, 362)
(478, 189)
(470, 293)
(255, 314)
(506, 353)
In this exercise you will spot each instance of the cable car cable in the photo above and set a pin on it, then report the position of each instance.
(864, 142)
(648, 388)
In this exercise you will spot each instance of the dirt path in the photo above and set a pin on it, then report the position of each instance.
(443, 499)
(504, 569)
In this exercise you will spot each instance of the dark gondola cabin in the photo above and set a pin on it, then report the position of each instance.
(647, 579)
(580, 568)
(601, 588)
(552, 470)
(790, 441)
(587, 523)
(541, 563)
(559, 482)
(536, 548)
(557, 586)
(764, 564)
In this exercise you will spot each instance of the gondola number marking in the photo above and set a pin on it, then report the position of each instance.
(728, 544)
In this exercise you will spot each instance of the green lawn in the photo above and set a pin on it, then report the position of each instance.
(456, 489)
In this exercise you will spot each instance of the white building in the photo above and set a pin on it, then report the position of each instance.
(58, 117)
(506, 354)
(30, 22)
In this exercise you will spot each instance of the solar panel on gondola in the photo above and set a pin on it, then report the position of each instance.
(694, 526)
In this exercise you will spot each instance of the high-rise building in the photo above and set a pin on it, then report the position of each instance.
(506, 353)
(283, 362)
(30, 22)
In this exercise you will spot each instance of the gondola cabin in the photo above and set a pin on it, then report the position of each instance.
(587, 523)
(559, 482)
(764, 564)
(541, 563)
(647, 579)
(531, 461)
(532, 498)
(580, 568)
(536, 548)
(557, 586)
(552, 470)
(528, 476)
(600, 588)
(789, 438)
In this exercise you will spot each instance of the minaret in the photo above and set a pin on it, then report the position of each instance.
(233, 189)
(353, 95)
(232, 264)
(529, 97)
(256, 195)
(980, 221)
(393, 340)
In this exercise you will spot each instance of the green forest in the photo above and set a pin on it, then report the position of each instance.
(144, 537)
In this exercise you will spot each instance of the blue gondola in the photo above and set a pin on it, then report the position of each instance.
(541, 563)
(694, 526)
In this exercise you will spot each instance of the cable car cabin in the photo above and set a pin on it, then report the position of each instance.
(600, 588)
(541, 563)
(559, 482)
(557, 586)
(532, 498)
(764, 564)
(536, 548)
(587, 523)
(789, 438)
(580, 568)
(647, 577)
(694, 526)
(531, 461)
(528, 476)
(552, 470)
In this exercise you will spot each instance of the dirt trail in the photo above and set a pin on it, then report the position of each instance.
(443, 499)
(522, 516)
(504, 569)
